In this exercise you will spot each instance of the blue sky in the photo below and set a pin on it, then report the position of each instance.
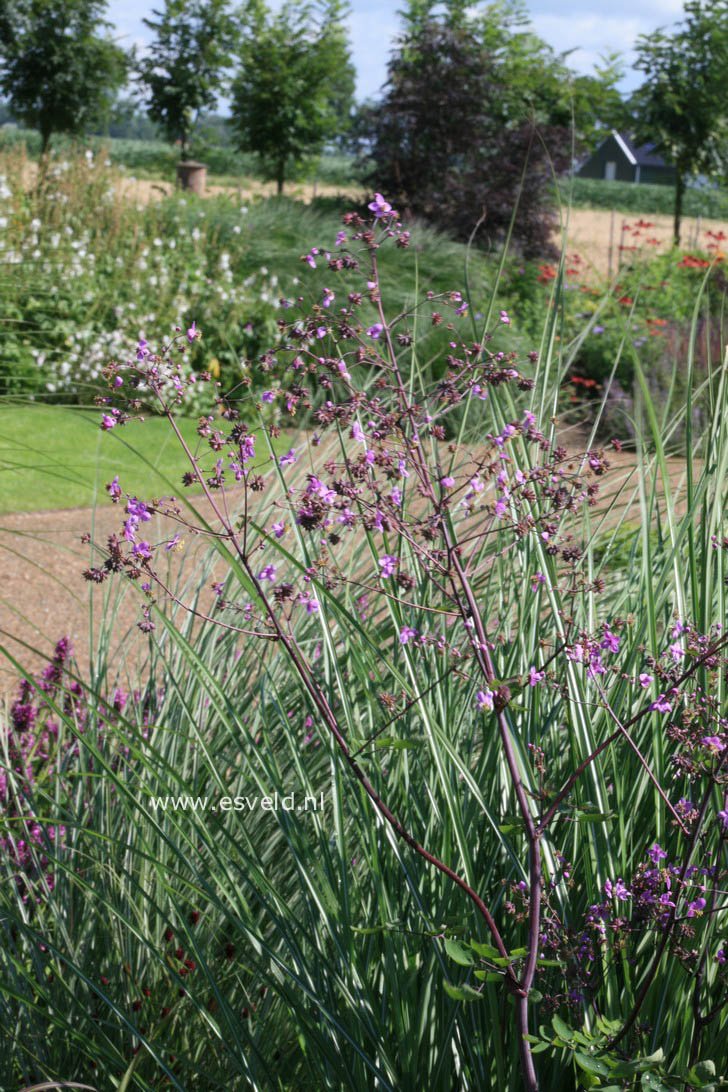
(589, 27)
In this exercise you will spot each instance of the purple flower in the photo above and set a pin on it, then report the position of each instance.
(484, 699)
(340, 238)
(722, 956)
(268, 573)
(715, 743)
(138, 509)
(396, 496)
(173, 542)
(610, 641)
(267, 396)
(388, 564)
(645, 680)
(114, 489)
(596, 667)
(723, 816)
(288, 459)
(379, 206)
(676, 651)
(617, 890)
(535, 677)
(662, 705)
(142, 549)
(597, 329)
(107, 422)
(504, 318)
(193, 333)
(329, 298)
(375, 331)
(342, 370)
(656, 853)
(406, 634)
(247, 448)
(696, 906)
(312, 605)
(358, 433)
(447, 482)
(278, 529)
(537, 578)
(462, 308)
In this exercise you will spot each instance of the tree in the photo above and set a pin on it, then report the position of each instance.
(295, 85)
(59, 69)
(681, 106)
(183, 72)
(453, 135)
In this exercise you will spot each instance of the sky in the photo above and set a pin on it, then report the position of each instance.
(589, 27)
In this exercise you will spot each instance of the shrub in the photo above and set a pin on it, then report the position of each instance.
(445, 146)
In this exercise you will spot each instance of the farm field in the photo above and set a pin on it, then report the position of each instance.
(607, 242)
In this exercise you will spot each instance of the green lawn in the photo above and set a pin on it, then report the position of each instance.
(58, 457)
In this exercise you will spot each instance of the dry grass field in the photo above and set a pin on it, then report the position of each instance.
(606, 240)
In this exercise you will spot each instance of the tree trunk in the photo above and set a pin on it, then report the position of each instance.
(44, 158)
(280, 176)
(679, 194)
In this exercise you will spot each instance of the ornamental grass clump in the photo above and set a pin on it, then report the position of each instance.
(516, 876)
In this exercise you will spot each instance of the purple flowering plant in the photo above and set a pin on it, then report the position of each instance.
(503, 716)
(413, 495)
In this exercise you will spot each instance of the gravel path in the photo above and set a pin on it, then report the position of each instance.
(43, 595)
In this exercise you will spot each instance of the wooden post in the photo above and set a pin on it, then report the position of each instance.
(192, 176)
(610, 253)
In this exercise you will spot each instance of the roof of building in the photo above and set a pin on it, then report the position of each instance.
(643, 155)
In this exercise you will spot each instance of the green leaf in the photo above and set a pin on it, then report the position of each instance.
(655, 1059)
(591, 1065)
(462, 993)
(486, 950)
(396, 744)
(562, 1030)
(702, 1072)
(458, 953)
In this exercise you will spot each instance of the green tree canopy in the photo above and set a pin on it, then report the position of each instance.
(681, 106)
(536, 82)
(470, 102)
(59, 69)
(295, 85)
(183, 70)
